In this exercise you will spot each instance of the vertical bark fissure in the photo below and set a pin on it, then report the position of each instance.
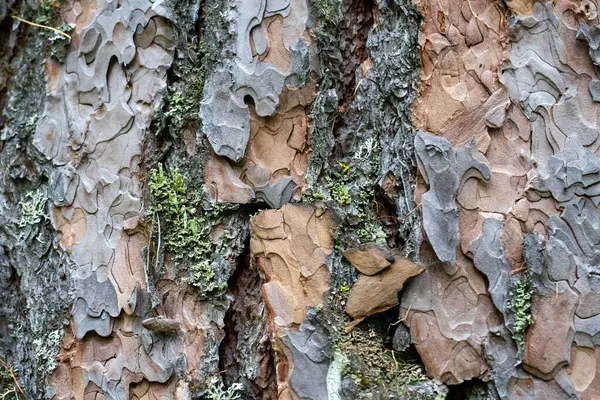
(34, 271)
(245, 354)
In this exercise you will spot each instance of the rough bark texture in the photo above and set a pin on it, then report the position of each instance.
(299, 199)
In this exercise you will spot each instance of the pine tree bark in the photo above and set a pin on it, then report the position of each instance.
(299, 199)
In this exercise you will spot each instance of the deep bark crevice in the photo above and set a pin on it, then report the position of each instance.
(357, 21)
(246, 328)
(473, 389)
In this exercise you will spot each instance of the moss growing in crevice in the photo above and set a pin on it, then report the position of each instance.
(180, 106)
(202, 238)
(373, 370)
(202, 40)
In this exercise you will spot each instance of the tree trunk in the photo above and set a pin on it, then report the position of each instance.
(299, 199)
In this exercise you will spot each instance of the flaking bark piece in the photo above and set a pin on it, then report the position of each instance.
(377, 293)
(161, 324)
(369, 258)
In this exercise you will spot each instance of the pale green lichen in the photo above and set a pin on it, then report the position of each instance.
(352, 189)
(367, 152)
(46, 348)
(520, 306)
(36, 303)
(369, 229)
(180, 108)
(216, 390)
(185, 222)
(339, 192)
(203, 277)
(8, 387)
(335, 374)
(34, 210)
(371, 232)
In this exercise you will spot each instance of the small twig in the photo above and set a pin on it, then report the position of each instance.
(354, 94)
(356, 88)
(394, 357)
(522, 268)
(150, 242)
(332, 125)
(13, 375)
(403, 318)
(378, 206)
(42, 26)
(188, 48)
(158, 245)
(369, 79)
(213, 376)
(384, 217)
(147, 266)
(413, 210)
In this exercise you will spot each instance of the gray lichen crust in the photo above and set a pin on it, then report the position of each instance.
(34, 271)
